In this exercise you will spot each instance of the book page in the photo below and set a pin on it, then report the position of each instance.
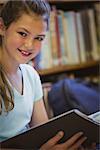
(95, 117)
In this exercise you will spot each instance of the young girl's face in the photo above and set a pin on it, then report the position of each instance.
(23, 39)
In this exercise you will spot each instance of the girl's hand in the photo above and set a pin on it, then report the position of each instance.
(74, 143)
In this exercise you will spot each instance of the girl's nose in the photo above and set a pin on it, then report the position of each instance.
(29, 44)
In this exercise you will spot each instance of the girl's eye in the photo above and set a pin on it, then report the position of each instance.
(22, 34)
(39, 38)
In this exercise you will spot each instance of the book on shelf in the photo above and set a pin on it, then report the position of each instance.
(70, 122)
(53, 38)
(87, 35)
(63, 50)
(65, 37)
(72, 37)
(93, 34)
(97, 21)
(80, 37)
(58, 35)
(46, 60)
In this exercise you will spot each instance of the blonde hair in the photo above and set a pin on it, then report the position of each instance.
(6, 93)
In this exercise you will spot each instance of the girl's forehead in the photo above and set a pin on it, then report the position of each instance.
(30, 22)
(31, 17)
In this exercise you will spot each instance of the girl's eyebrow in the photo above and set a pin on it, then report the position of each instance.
(42, 35)
(24, 30)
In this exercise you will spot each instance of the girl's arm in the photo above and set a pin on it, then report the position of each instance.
(39, 114)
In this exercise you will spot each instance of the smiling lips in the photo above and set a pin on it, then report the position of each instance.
(24, 53)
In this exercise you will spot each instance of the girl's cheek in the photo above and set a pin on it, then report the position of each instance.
(19, 42)
(38, 47)
(37, 52)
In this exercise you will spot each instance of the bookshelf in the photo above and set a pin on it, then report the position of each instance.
(83, 69)
(69, 68)
(90, 69)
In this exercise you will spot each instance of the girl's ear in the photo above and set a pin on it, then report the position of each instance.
(2, 27)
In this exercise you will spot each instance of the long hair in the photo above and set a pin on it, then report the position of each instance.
(11, 11)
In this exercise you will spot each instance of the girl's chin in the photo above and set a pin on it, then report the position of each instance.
(25, 62)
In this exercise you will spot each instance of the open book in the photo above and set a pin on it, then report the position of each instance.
(70, 122)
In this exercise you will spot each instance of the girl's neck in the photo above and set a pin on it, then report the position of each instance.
(8, 66)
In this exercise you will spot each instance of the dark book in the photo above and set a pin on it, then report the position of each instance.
(70, 122)
(86, 34)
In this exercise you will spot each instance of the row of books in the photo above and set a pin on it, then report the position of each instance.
(72, 38)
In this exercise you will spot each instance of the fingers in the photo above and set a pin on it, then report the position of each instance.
(74, 138)
(56, 138)
(75, 141)
(78, 143)
(53, 141)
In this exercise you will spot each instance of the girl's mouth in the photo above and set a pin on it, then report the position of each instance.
(24, 53)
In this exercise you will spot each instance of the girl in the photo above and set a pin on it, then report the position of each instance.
(23, 26)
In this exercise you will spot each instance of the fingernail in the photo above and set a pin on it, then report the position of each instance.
(81, 133)
(61, 133)
(85, 138)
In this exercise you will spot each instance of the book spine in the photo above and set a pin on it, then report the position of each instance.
(72, 37)
(86, 35)
(97, 21)
(62, 40)
(46, 60)
(93, 34)
(80, 37)
(53, 39)
(58, 36)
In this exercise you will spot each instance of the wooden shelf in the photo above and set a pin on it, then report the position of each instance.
(72, 0)
(67, 68)
(68, 5)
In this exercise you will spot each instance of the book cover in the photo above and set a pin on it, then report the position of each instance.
(70, 122)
